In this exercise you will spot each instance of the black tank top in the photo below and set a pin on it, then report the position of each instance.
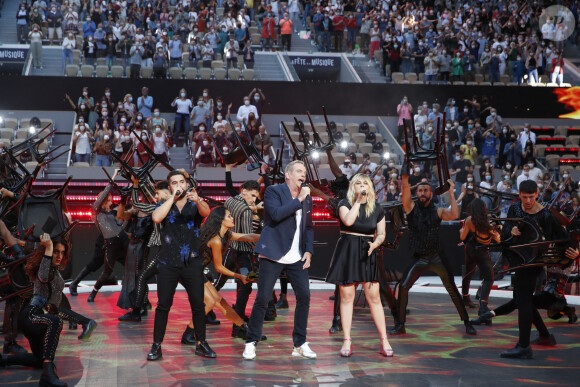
(424, 226)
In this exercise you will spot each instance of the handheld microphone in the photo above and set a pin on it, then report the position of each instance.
(305, 184)
(364, 193)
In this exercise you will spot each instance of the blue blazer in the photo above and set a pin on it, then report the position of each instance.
(280, 223)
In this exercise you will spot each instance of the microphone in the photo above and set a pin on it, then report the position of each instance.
(364, 193)
(305, 184)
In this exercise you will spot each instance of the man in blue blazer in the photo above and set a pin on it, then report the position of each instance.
(286, 242)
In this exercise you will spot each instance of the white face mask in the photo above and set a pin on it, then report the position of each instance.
(392, 187)
(470, 179)
(202, 129)
(123, 119)
(106, 137)
(219, 117)
(246, 102)
(531, 165)
(391, 165)
(157, 130)
(156, 114)
(417, 169)
(469, 142)
(205, 94)
(205, 143)
(394, 175)
(182, 95)
(508, 166)
(565, 176)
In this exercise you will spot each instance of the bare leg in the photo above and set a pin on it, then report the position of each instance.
(347, 293)
(374, 299)
(229, 312)
(334, 168)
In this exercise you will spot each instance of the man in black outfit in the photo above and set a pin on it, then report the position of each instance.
(179, 260)
(424, 220)
(525, 278)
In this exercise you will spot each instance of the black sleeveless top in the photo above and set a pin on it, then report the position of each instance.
(424, 229)
(206, 253)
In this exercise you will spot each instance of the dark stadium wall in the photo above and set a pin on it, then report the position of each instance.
(47, 93)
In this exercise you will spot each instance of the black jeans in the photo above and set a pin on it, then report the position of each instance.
(298, 277)
(441, 267)
(524, 284)
(42, 331)
(244, 263)
(478, 258)
(191, 277)
(115, 250)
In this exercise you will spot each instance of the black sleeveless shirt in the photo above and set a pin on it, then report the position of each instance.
(424, 226)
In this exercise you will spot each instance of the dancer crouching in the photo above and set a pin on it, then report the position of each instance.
(362, 229)
(43, 329)
(214, 239)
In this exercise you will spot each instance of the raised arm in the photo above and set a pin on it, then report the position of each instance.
(408, 203)
(453, 212)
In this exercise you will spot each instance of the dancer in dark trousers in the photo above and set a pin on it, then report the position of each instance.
(179, 260)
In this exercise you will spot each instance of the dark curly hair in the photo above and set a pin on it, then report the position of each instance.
(33, 263)
(209, 229)
(478, 212)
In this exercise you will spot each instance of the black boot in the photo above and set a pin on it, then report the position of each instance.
(88, 329)
(211, 318)
(188, 336)
(336, 325)
(468, 303)
(482, 308)
(49, 376)
(571, 313)
(73, 285)
(203, 349)
(155, 353)
(518, 352)
(92, 296)
(484, 319)
(398, 329)
(241, 332)
(549, 341)
(271, 312)
(282, 302)
(131, 316)
(469, 329)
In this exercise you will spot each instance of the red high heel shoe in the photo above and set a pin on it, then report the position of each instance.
(386, 352)
(346, 352)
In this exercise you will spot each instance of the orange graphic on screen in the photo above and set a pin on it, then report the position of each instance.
(570, 97)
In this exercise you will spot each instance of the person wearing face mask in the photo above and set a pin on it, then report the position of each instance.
(54, 20)
(110, 49)
(526, 135)
(156, 120)
(69, 43)
(444, 65)
(245, 110)
(416, 177)
(258, 99)
(143, 154)
(82, 140)
(35, 36)
(205, 155)
(404, 110)
(102, 150)
(182, 116)
(525, 175)
(457, 65)
(286, 31)
(269, 30)
(22, 21)
(469, 149)
(160, 143)
(451, 110)
(200, 115)
(460, 169)
(392, 191)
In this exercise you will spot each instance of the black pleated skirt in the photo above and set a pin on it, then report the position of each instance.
(351, 263)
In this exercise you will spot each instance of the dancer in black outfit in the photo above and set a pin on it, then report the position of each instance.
(181, 216)
(354, 261)
(116, 240)
(424, 220)
(525, 278)
(478, 234)
(43, 329)
(94, 264)
(150, 267)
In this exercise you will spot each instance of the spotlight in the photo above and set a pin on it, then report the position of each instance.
(315, 155)
(343, 145)
(1, 122)
(387, 155)
(32, 130)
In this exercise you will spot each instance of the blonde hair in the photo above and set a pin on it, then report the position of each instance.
(351, 196)
(290, 165)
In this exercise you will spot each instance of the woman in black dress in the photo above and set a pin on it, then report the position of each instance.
(362, 229)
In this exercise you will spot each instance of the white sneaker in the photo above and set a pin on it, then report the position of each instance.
(250, 351)
(303, 351)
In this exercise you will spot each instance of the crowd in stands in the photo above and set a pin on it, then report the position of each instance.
(486, 152)
(203, 123)
(511, 41)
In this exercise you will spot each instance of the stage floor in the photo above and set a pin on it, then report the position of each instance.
(435, 351)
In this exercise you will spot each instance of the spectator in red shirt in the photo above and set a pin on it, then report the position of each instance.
(352, 31)
(338, 23)
(268, 30)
